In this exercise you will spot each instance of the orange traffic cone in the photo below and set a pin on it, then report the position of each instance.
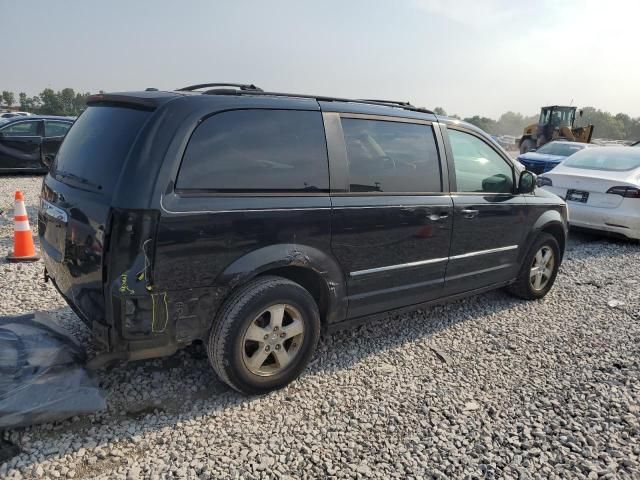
(23, 248)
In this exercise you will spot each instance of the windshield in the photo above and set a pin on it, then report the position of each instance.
(93, 152)
(563, 117)
(612, 159)
(557, 116)
(561, 149)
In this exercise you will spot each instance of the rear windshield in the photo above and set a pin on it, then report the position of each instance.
(93, 152)
(560, 149)
(616, 159)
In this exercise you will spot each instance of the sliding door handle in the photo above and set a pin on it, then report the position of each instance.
(469, 213)
(434, 217)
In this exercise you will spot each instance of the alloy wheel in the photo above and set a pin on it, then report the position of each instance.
(542, 268)
(272, 340)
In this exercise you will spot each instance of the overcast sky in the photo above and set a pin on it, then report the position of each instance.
(470, 57)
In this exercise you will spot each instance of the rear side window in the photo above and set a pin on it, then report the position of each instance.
(257, 150)
(54, 128)
(389, 156)
(93, 152)
(21, 129)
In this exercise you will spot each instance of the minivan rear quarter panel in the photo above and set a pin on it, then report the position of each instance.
(209, 246)
(209, 242)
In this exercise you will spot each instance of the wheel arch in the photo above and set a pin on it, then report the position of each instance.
(308, 266)
(556, 230)
(310, 280)
(551, 222)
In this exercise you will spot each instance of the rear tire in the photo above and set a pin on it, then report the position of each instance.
(527, 145)
(264, 335)
(539, 269)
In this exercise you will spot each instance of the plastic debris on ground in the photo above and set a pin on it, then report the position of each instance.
(8, 450)
(42, 374)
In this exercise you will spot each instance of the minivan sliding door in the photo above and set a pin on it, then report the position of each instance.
(391, 225)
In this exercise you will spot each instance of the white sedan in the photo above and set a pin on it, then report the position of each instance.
(601, 187)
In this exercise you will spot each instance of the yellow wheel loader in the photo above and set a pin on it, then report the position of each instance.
(555, 123)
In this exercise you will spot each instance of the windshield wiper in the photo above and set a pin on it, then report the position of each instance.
(81, 180)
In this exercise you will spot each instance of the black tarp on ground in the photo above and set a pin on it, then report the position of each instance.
(42, 374)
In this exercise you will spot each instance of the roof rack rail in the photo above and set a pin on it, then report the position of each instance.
(241, 86)
(253, 90)
(319, 98)
(390, 102)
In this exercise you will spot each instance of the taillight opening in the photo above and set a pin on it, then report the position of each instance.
(626, 192)
(544, 181)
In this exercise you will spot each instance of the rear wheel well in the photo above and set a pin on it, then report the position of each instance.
(558, 233)
(310, 281)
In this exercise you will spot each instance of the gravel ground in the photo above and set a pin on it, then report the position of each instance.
(487, 387)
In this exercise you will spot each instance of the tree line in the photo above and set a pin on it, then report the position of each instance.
(65, 102)
(68, 102)
(606, 125)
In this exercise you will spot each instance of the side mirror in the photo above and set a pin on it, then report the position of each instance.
(527, 182)
(497, 184)
(47, 160)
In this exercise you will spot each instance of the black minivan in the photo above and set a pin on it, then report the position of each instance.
(252, 221)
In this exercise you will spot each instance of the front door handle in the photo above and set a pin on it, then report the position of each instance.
(470, 213)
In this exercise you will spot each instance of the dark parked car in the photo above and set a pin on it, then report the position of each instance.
(252, 221)
(29, 143)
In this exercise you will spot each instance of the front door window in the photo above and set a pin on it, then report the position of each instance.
(478, 167)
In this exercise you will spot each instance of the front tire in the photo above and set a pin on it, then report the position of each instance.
(539, 269)
(264, 335)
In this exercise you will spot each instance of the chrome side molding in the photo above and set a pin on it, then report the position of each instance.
(399, 266)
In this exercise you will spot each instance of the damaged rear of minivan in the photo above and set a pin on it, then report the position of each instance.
(162, 209)
(96, 226)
